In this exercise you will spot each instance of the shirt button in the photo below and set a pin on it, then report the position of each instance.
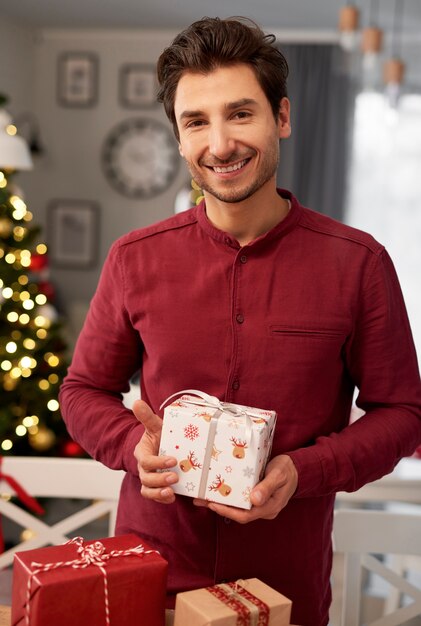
(228, 241)
(227, 520)
(239, 318)
(235, 384)
(243, 258)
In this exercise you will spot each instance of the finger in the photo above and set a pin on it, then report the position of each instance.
(233, 513)
(157, 480)
(153, 463)
(145, 415)
(165, 496)
(274, 480)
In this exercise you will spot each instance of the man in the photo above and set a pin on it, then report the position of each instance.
(256, 300)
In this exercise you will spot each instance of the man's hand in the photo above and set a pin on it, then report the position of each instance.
(153, 477)
(268, 497)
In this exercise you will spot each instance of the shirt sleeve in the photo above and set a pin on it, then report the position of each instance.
(381, 360)
(107, 355)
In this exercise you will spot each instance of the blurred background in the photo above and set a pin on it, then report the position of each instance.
(78, 86)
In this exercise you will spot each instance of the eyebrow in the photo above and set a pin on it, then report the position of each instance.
(230, 106)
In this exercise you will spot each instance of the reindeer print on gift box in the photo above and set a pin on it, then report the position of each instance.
(239, 450)
(190, 463)
(214, 442)
(220, 486)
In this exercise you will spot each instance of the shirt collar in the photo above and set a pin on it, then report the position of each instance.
(278, 231)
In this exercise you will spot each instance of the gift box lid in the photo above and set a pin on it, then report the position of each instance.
(204, 607)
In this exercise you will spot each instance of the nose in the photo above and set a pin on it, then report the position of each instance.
(221, 144)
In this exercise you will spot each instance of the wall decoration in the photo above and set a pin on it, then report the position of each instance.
(77, 79)
(140, 157)
(73, 235)
(138, 86)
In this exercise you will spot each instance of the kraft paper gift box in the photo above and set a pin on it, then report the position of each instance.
(70, 584)
(5, 613)
(221, 448)
(246, 602)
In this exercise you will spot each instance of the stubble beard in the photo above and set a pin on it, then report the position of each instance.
(232, 193)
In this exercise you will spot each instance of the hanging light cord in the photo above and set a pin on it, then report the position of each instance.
(374, 13)
(397, 29)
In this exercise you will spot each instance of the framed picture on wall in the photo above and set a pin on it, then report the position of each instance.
(77, 79)
(73, 233)
(137, 86)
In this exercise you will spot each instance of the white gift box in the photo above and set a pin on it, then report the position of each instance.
(221, 448)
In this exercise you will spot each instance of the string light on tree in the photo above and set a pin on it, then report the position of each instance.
(32, 348)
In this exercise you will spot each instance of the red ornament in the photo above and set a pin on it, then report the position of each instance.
(38, 262)
(72, 449)
(47, 289)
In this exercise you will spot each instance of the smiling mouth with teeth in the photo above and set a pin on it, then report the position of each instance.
(219, 169)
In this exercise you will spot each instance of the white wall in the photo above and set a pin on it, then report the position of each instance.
(17, 46)
(73, 138)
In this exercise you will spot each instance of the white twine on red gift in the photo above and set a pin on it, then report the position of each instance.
(91, 554)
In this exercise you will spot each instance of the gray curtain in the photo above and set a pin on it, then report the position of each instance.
(314, 159)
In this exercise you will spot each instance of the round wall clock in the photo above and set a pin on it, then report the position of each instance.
(140, 157)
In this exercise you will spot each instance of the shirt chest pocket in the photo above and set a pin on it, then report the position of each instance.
(308, 346)
(283, 331)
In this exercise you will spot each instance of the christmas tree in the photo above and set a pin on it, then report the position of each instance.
(32, 348)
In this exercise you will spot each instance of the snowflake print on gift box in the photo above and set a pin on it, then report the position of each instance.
(246, 494)
(191, 432)
(236, 423)
(190, 486)
(248, 472)
(228, 469)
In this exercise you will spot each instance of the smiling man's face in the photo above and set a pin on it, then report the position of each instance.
(228, 134)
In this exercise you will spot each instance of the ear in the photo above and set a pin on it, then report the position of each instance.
(180, 149)
(284, 119)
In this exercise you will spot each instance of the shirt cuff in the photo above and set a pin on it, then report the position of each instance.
(310, 472)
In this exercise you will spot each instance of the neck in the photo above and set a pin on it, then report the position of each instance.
(250, 218)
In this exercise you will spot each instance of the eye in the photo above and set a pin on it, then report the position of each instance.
(195, 124)
(241, 115)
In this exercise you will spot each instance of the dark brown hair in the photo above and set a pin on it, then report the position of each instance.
(213, 42)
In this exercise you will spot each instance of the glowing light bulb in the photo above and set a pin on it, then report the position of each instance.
(11, 129)
(20, 430)
(6, 365)
(53, 405)
(15, 373)
(29, 343)
(41, 299)
(7, 293)
(11, 347)
(28, 305)
(6, 444)
(41, 248)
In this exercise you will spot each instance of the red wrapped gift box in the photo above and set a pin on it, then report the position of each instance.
(77, 582)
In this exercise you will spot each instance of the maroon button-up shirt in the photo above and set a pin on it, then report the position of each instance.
(293, 322)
